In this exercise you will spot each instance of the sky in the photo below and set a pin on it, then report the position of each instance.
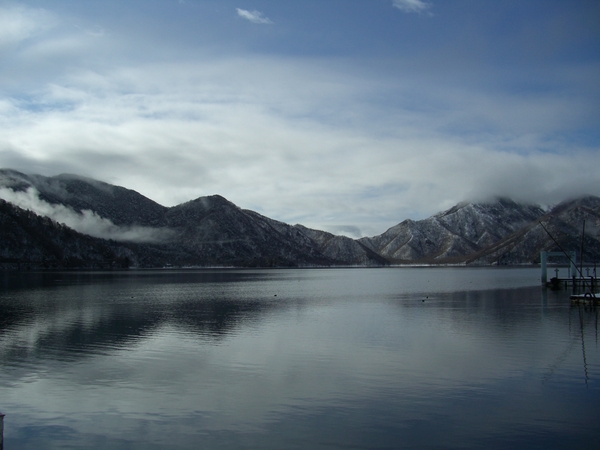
(348, 116)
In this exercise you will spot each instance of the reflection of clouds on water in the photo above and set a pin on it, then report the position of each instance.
(169, 361)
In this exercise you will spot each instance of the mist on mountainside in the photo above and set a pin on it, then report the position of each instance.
(87, 222)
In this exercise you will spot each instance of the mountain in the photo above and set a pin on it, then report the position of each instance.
(559, 229)
(119, 205)
(217, 232)
(208, 231)
(343, 248)
(451, 235)
(31, 240)
(73, 221)
(500, 232)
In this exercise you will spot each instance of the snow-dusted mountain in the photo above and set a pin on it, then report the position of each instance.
(564, 223)
(342, 248)
(451, 235)
(72, 221)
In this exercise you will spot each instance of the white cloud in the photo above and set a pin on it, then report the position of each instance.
(19, 23)
(298, 141)
(412, 6)
(329, 143)
(254, 16)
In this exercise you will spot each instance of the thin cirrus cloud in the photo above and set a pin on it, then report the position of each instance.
(254, 16)
(411, 6)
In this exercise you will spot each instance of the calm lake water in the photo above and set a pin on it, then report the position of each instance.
(389, 358)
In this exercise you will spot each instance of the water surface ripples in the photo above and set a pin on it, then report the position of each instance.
(344, 358)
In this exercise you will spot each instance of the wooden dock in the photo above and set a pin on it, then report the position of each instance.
(587, 283)
(585, 299)
(585, 291)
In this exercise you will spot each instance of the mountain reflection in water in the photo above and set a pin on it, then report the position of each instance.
(341, 358)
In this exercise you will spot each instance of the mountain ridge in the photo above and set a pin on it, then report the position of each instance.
(212, 231)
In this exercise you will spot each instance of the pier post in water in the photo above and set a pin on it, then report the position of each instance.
(543, 259)
(1, 431)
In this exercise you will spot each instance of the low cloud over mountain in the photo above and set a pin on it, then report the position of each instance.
(85, 221)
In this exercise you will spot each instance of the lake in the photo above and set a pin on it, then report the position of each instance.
(383, 358)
